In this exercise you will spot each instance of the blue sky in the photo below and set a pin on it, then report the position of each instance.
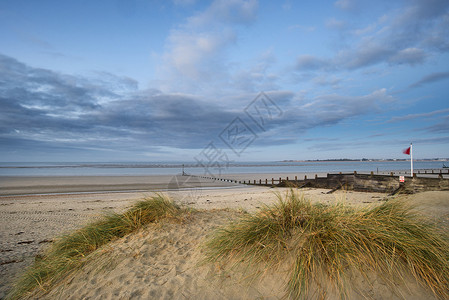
(181, 80)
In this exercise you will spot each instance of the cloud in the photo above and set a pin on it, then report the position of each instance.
(411, 56)
(225, 12)
(366, 54)
(74, 113)
(442, 127)
(406, 36)
(346, 4)
(195, 56)
(257, 77)
(47, 107)
(325, 80)
(302, 115)
(416, 116)
(310, 63)
(434, 77)
(335, 24)
(196, 50)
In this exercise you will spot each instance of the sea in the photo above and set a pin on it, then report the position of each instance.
(217, 170)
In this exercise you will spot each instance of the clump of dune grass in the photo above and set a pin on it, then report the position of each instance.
(68, 252)
(325, 242)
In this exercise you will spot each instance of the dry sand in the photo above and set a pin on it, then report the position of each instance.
(161, 261)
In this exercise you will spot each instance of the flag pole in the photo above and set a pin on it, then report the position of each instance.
(411, 160)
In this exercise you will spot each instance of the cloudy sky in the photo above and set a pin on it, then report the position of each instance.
(142, 80)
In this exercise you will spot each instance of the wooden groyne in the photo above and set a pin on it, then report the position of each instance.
(353, 181)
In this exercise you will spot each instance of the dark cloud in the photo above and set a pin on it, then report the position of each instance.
(434, 77)
(321, 111)
(41, 108)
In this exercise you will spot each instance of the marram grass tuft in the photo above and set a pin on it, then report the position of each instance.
(323, 242)
(68, 252)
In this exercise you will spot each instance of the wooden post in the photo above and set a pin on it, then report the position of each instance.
(305, 177)
(280, 180)
(254, 181)
(391, 173)
(272, 181)
(287, 178)
(260, 181)
(296, 178)
(266, 181)
(316, 176)
(355, 172)
(372, 173)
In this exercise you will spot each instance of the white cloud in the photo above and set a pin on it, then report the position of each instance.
(196, 52)
(193, 55)
(404, 36)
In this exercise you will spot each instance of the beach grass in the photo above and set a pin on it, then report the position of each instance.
(326, 242)
(69, 252)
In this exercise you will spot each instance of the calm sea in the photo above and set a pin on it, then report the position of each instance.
(148, 168)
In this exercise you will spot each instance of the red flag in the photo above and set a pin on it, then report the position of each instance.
(406, 151)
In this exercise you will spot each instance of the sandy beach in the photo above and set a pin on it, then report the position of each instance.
(160, 261)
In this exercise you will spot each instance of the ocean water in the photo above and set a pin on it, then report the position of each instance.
(219, 170)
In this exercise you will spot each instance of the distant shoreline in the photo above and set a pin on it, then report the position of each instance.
(177, 165)
(370, 160)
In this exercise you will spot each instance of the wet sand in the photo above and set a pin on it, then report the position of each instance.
(32, 185)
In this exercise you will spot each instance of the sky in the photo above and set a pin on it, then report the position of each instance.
(211, 81)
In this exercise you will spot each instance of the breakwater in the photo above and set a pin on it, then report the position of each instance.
(391, 183)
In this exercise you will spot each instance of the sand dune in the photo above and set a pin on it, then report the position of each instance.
(163, 260)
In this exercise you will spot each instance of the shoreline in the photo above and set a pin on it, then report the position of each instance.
(48, 185)
(13, 186)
